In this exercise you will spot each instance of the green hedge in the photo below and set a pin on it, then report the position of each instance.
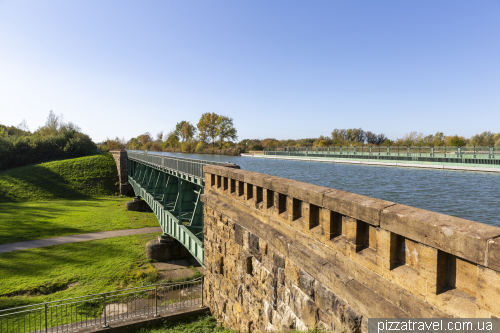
(18, 151)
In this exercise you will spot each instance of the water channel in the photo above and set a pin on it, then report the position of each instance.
(467, 194)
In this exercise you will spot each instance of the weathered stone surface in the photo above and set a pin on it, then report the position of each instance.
(454, 302)
(371, 304)
(166, 251)
(354, 205)
(465, 239)
(138, 205)
(489, 290)
(417, 308)
(298, 270)
(306, 283)
(493, 259)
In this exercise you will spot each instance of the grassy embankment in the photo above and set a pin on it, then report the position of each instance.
(63, 198)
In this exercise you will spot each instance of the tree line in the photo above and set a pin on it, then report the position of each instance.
(54, 140)
(213, 133)
(207, 137)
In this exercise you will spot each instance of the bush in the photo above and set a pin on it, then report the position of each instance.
(17, 151)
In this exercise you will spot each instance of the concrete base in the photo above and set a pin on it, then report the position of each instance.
(138, 205)
(166, 248)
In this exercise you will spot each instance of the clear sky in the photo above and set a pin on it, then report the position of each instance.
(282, 69)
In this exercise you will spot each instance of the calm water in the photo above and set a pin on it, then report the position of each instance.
(469, 195)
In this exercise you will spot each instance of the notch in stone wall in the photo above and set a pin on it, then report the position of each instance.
(456, 273)
(226, 183)
(241, 189)
(269, 198)
(297, 209)
(259, 195)
(233, 186)
(249, 191)
(281, 203)
(219, 182)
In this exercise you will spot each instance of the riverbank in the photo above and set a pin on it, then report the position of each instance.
(406, 164)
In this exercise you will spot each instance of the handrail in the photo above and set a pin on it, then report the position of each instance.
(187, 166)
(100, 309)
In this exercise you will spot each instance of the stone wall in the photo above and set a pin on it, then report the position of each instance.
(281, 254)
(120, 157)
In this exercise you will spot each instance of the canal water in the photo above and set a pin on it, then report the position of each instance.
(467, 194)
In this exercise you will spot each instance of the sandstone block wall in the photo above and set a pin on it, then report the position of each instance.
(281, 254)
(120, 157)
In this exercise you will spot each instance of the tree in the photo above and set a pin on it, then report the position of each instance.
(486, 138)
(51, 125)
(185, 130)
(457, 141)
(145, 138)
(225, 129)
(338, 136)
(207, 127)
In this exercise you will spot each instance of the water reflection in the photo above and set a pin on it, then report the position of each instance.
(469, 195)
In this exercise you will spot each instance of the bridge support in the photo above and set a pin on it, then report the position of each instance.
(138, 205)
(120, 157)
(166, 248)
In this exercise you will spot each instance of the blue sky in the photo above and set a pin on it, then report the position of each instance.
(283, 69)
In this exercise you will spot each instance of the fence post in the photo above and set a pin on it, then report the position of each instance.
(156, 301)
(202, 289)
(46, 326)
(104, 309)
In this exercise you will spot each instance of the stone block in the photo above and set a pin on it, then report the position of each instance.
(368, 257)
(371, 304)
(454, 302)
(488, 291)
(463, 238)
(351, 230)
(308, 261)
(306, 283)
(493, 260)
(334, 279)
(292, 272)
(373, 281)
(407, 277)
(466, 276)
(418, 308)
(354, 205)
(428, 263)
(340, 244)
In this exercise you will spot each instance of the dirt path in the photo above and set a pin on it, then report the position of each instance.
(74, 238)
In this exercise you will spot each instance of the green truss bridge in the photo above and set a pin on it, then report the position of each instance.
(172, 187)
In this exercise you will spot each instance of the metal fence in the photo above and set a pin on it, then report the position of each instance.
(101, 309)
(187, 166)
(441, 154)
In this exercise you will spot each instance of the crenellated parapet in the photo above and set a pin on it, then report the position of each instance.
(281, 253)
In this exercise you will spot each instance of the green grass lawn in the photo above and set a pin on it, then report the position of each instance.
(73, 179)
(22, 221)
(43, 274)
(192, 324)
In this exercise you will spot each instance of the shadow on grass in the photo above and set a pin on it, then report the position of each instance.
(23, 222)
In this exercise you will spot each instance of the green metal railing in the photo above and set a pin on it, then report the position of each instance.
(98, 310)
(172, 187)
(488, 156)
(185, 166)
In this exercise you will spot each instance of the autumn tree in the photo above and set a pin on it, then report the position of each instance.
(225, 129)
(207, 127)
(185, 130)
(146, 138)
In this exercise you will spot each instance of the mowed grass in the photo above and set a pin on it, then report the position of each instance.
(44, 274)
(65, 197)
(191, 324)
(72, 179)
(22, 221)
